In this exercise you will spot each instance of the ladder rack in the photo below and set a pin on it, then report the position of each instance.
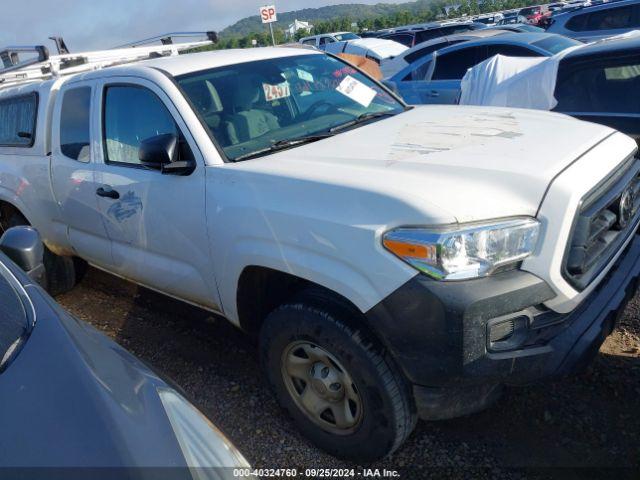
(42, 66)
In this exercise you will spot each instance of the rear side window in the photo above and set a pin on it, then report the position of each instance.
(18, 120)
(133, 114)
(603, 88)
(453, 65)
(607, 19)
(75, 124)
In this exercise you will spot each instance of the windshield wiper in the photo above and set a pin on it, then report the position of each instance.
(361, 118)
(283, 145)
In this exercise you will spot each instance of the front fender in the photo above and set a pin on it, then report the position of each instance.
(325, 270)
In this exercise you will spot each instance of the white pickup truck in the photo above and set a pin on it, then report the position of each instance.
(395, 262)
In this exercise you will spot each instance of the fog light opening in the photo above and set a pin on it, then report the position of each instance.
(507, 333)
(501, 331)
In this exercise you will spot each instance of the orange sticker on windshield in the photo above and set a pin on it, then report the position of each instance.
(275, 92)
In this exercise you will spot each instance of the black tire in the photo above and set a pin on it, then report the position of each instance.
(60, 271)
(388, 413)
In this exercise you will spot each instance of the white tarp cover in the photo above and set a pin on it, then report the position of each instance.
(521, 82)
(377, 48)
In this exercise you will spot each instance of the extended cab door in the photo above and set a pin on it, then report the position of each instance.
(73, 148)
(156, 222)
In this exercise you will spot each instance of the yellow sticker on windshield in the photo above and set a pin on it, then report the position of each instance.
(275, 92)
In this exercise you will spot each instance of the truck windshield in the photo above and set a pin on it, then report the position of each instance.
(254, 108)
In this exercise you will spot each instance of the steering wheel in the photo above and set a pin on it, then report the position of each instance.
(314, 106)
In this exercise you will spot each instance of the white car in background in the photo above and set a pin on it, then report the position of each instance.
(377, 49)
(322, 40)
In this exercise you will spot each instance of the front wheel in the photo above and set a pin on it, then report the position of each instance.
(338, 385)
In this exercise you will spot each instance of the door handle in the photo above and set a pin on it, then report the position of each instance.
(434, 93)
(107, 192)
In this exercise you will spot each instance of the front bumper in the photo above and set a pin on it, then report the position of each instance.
(437, 331)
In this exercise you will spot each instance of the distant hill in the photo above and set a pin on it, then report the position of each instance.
(352, 11)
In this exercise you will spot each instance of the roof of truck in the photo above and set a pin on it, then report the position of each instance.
(194, 62)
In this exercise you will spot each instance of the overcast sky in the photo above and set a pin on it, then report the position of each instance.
(91, 24)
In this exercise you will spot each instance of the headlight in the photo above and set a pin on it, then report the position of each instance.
(464, 251)
(208, 453)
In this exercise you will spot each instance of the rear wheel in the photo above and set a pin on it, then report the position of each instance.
(339, 386)
(60, 271)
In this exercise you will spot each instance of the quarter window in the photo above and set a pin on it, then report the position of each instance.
(18, 120)
(133, 114)
(75, 124)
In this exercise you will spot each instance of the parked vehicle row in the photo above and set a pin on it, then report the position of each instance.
(596, 82)
(597, 21)
(394, 262)
(436, 76)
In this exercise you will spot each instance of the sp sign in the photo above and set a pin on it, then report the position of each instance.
(268, 14)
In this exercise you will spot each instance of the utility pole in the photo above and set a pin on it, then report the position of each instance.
(273, 38)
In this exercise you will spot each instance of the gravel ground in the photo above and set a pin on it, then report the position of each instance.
(551, 430)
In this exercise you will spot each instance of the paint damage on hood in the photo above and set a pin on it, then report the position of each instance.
(453, 132)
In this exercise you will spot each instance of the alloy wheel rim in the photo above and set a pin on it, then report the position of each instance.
(321, 387)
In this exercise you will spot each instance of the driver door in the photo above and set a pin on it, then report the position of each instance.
(156, 222)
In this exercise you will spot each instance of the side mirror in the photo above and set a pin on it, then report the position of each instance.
(159, 150)
(162, 152)
(24, 247)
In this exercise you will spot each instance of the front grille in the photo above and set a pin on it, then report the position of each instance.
(606, 217)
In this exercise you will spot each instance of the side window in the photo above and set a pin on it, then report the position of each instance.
(404, 39)
(325, 40)
(75, 124)
(311, 41)
(453, 65)
(611, 19)
(419, 74)
(601, 88)
(453, 29)
(132, 114)
(423, 52)
(577, 23)
(607, 19)
(18, 120)
(509, 51)
(425, 35)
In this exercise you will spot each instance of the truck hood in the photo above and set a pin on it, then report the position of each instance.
(473, 163)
